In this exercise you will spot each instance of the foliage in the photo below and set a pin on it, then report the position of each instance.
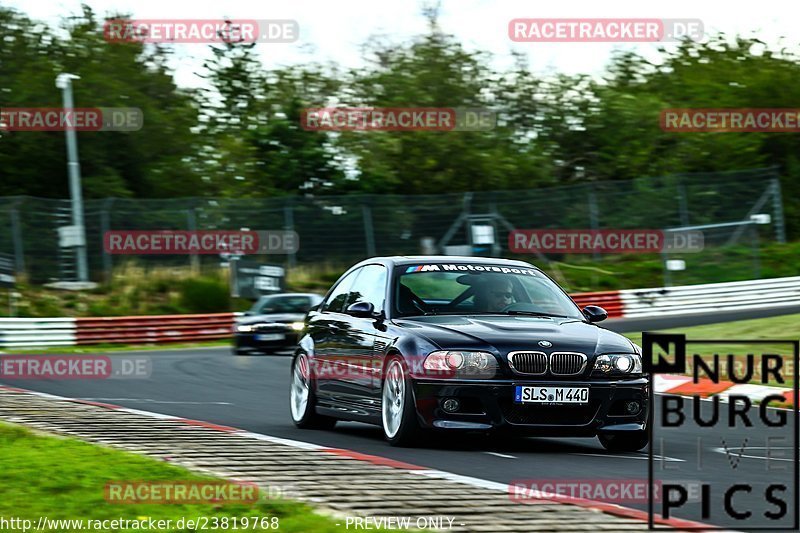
(240, 135)
(135, 290)
(204, 295)
(145, 163)
(64, 479)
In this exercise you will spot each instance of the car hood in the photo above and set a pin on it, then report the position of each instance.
(274, 317)
(506, 333)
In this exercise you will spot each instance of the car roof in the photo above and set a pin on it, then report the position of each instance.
(399, 260)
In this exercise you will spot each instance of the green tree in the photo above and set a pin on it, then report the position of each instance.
(256, 145)
(151, 162)
(436, 71)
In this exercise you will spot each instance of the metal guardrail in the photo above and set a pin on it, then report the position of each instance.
(633, 303)
(46, 332)
(711, 297)
(23, 332)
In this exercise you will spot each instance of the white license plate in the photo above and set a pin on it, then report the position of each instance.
(533, 394)
(266, 337)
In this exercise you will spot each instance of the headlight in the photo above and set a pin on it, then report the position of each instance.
(458, 364)
(297, 326)
(244, 328)
(622, 363)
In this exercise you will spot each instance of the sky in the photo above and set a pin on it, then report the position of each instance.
(335, 30)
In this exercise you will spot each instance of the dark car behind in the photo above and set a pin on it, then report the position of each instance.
(273, 323)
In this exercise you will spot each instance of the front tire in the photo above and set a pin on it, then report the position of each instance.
(398, 412)
(302, 400)
(625, 442)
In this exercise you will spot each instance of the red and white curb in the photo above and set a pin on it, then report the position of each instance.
(685, 386)
(604, 507)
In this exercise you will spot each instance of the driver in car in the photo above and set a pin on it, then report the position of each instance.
(495, 295)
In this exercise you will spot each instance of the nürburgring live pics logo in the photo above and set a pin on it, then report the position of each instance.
(731, 430)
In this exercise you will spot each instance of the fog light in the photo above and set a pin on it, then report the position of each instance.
(451, 405)
(632, 407)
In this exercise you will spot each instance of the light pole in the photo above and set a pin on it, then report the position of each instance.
(64, 82)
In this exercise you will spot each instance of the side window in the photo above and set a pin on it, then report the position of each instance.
(370, 287)
(336, 299)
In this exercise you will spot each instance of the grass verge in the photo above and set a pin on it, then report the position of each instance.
(63, 478)
(785, 327)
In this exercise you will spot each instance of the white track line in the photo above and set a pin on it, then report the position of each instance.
(149, 400)
(432, 473)
(503, 455)
(640, 457)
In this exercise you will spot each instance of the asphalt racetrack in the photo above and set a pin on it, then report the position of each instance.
(252, 392)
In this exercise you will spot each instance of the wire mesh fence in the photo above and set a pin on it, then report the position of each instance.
(343, 229)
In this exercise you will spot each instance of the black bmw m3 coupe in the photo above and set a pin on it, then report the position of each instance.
(441, 343)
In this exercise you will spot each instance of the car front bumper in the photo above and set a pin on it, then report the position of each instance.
(254, 342)
(489, 405)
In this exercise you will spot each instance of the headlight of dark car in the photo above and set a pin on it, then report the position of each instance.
(618, 364)
(460, 364)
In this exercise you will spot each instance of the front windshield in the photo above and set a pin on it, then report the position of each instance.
(455, 289)
(282, 304)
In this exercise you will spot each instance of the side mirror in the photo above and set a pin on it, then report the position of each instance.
(248, 313)
(594, 313)
(361, 309)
